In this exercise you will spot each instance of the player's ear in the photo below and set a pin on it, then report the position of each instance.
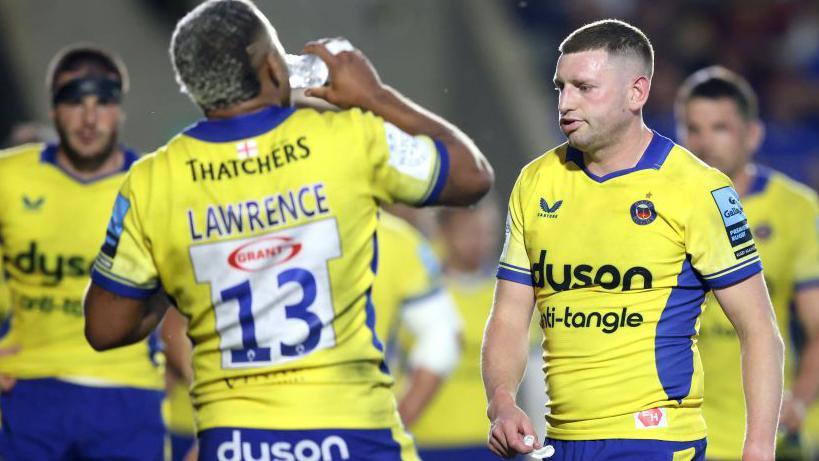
(638, 93)
(756, 134)
(277, 72)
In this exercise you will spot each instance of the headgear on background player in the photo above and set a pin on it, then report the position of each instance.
(106, 75)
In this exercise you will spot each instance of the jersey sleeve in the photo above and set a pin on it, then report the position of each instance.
(124, 265)
(405, 168)
(717, 236)
(514, 262)
(806, 264)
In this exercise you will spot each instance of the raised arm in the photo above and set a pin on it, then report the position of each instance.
(355, 83)
(749, 309)
(503, 361)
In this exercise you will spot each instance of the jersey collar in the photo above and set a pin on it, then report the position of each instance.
(239, 127)
(652, 158)
(49, 155)
(762, 176)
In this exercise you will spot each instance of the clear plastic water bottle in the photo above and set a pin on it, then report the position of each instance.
(308, 70)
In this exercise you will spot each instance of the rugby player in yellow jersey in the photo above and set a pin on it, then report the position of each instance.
(69, 401)
(410, 301)
(616, 236)
(718, 120)
(453, 427)
(259, 222)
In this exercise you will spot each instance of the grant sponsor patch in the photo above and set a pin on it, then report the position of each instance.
(733, 216)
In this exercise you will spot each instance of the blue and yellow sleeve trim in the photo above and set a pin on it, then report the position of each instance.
(442, 172)
(514, 274)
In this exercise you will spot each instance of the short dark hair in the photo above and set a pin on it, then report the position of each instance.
(78, 56)
(616, 37)
(717, 82)
(210, 53)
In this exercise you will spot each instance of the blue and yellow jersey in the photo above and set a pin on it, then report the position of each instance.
(50, 227)
(620, 265)
(408, 271)
(261, 228)
(456, 415)
(784, 214)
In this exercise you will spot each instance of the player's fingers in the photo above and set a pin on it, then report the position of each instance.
(499, 435)
(321, 92)
(320, 50)
(514, 438)
(496, 447)
(527, 430)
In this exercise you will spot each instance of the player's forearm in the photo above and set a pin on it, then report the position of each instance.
(423, 384)
(503, 358)
(762, 376)
(470, 175)
(113, 321)
(806, 384)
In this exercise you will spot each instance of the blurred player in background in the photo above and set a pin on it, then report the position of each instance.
(260, 223)
(69, 401)
(409, 298)
(718, 120)
(617, 236)
(454, 426)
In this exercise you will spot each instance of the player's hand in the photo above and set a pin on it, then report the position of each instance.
(353, 80)
(509, 426)
(793, 413)
(7, 382)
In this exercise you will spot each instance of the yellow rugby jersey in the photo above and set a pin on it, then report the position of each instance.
(261, 228)
(784, 216)
(50, 226)
(456, 416)
(620, 265)
(407, 271)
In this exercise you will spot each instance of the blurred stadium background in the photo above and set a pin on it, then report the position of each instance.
(487, 65)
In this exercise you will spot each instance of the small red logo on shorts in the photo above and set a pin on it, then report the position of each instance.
(655, 417)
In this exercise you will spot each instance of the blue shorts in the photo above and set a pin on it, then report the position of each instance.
(235, 444)
(180, 445)
(626, 450)
(460, 453)
(52, 420)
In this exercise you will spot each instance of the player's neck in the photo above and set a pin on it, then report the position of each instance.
(246, 107)
(743, 178)
(110, 165)
(624, 153)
